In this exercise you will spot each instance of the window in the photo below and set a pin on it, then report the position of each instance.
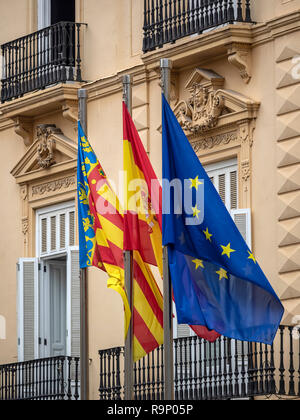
(62, 11)
(49, 289)
(55, 11)
(224, 176)
(56, 230)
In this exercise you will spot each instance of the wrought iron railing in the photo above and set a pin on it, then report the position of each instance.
(55, 378)
(46, 57)
(166, 21)
(226, 369)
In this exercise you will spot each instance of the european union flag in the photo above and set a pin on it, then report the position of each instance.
(216, 279)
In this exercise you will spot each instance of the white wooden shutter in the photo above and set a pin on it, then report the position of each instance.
(27, 273)
(56, 230)
(224, 176)
(242, 219)
(73, 302)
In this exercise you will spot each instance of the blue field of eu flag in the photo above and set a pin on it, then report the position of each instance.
(216, 279)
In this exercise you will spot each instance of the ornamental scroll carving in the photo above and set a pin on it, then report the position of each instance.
(53, 186)
(202, 110)
(210, 142)
(46, 145)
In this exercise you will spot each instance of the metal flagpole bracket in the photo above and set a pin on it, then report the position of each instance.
(128, 270)
(82, 109)
(166, 67)
(127, 92)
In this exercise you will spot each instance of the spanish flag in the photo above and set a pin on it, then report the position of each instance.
(101, 242)
(143, 215)
(143, 204)
(142, 235)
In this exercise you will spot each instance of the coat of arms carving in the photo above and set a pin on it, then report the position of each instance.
(47, 145)
(206, 104)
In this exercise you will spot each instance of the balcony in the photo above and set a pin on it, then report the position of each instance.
(227, 369)
(166, 21)
(44, 58)
(55, 378)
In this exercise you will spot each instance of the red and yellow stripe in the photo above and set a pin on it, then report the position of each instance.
(142, 208)
(107, 255)
(142, 235)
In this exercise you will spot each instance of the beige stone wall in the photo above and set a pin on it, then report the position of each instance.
(11, 243)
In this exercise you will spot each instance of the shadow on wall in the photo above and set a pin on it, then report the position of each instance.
(2, 328)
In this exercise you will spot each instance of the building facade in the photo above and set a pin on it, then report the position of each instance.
(235, 91)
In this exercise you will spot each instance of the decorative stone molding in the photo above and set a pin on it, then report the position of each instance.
(23, 192)
(239, 55)
(207, 143)
(219, 121)
(46, 145)
(70, 112)
(205, 105)
(42, 182)
(246, 170)
(53, 186)
(25, 225)
(23, 128)
(203, 110)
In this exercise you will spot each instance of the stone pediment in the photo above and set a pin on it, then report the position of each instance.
(209, 106)
(50, 152)
(206, 110)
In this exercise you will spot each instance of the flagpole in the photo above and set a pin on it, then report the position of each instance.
(128, 269)
(84, 355)
(166, 66)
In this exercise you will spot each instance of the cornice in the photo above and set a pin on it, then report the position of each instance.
(201, 46)
(185, 53)
(6, 124)
(43, 175)
(41, 102)
(113, 84)
(275, 28)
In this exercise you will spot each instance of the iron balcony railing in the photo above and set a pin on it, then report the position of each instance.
(226, 369)
(166, 21)
(55, 378)
(44, 58)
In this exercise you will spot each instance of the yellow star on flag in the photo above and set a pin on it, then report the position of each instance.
(207, 234)
(222, 274)
(195, 183)
(196, 211)
(251, 257)
(227, 250)
(198, 263)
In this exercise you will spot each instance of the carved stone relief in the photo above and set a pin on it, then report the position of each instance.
(239, 55)
(53, 186)
(47, 145)
(218, 120)
(210, 142)
(202, 111)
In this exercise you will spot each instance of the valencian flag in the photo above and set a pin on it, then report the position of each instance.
(101, 236)
(143, 219)
(216, 279)
(100, 221)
